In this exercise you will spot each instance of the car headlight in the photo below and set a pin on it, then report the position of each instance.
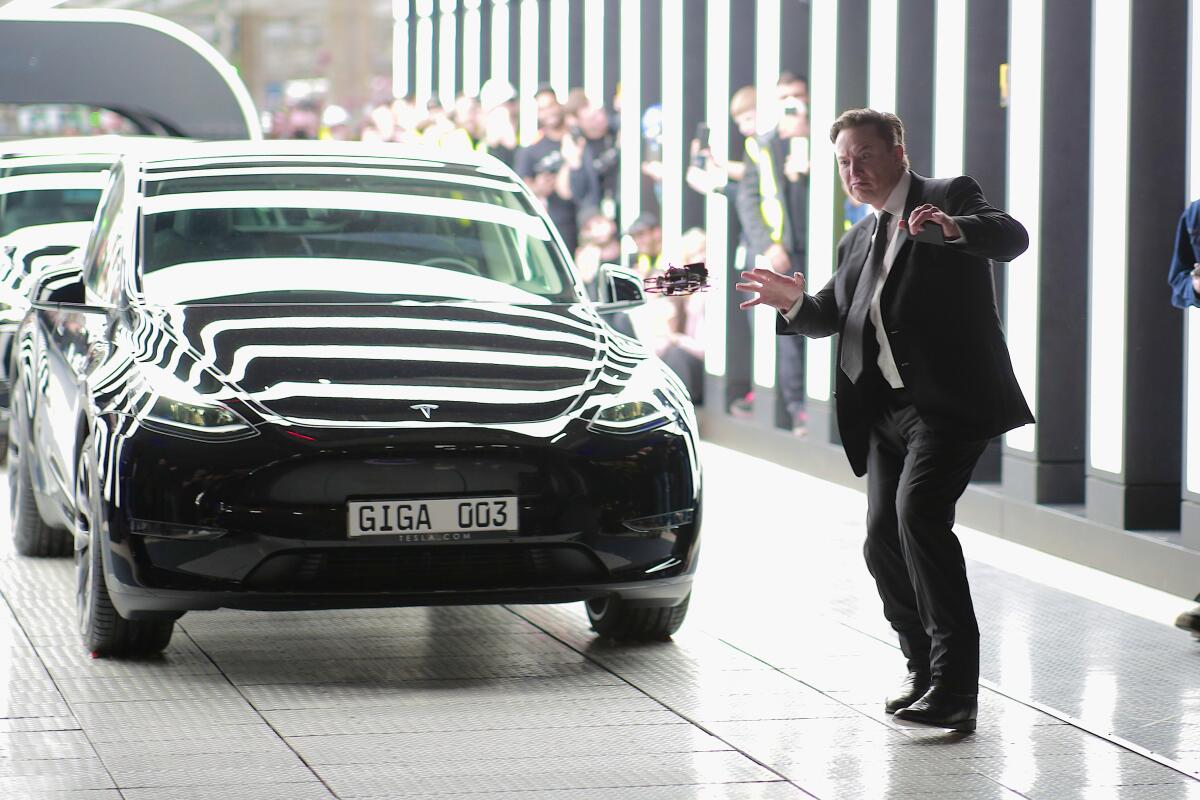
(196, 419)
(634, 416)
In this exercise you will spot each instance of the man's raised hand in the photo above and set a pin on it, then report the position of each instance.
(771, 288)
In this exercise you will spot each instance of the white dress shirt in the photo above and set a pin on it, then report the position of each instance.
(895, 207)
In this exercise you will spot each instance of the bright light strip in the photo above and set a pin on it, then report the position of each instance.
(593, 50)
(1026, 20)
(716, 207)
(631, 114)
(764, 349)
(560, 43)
(822, 180)
(672, 131)
(447, 63)
(1109, 234)
(766, 63)
(881, 55)
(18, 7)
(765, 346)
(399, 48)
(500, 54)
(424, 54)
(950, 89)
(1192, 413)
(528, 82)
(472, 34)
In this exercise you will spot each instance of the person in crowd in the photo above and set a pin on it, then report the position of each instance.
(791, 86)
(1184, 279)
(924, 380)
(707, 174)
(542, 178)
(646, 233)
(773, 208)
(593, 159)
(681, 346)
(598, 244)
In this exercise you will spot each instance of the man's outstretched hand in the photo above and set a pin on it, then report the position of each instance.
(771, 288)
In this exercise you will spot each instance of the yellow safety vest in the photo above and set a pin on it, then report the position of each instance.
(770, 205)
(646, 265)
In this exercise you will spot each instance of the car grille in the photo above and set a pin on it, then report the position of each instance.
(426, 569)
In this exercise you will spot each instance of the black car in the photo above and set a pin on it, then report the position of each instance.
(312, 375)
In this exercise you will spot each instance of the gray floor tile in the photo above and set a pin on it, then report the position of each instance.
(281, 791)
(724, 791)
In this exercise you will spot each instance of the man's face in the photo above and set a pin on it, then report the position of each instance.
(550, 113)
(796, 90)
(747, 122)
(868, 167)
(593, 121)
(600, 229)
(793, 121)
(542, 184)
(648, 241)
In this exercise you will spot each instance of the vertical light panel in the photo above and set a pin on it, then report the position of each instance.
(672, 114)
(560, 44)
(399, 48)
(766, 76)
(528, 82)
(1025, 47)
(631, 111)
(881, 55)
(1192, 410)
(472, 35)
(822, 182)
(424, 51)
(500, 54)
(1109, 234)
(763, 358)
(716, 206)
(593, 51)
(766, 63)
(447, 63)
(950, 86)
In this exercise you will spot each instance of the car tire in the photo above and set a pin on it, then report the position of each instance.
(31, 535)
(105, 632)
(614, 618)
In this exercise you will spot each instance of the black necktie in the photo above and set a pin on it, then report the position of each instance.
(853, 343)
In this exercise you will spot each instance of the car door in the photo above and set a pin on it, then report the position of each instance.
(73, 342)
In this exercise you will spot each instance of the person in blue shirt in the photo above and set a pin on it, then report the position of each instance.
(1185, 263)
(1184, 278)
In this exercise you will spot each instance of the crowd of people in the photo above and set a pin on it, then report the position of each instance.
(572, 166)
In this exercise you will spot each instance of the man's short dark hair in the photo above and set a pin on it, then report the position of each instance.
(787, 76)
(887, 125)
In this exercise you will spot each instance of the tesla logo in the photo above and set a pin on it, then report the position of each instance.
(425, 408)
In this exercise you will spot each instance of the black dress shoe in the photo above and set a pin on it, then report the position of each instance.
(939, 708)
(914, 687)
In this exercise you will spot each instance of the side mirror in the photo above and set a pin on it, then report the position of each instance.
(59, 283)
(620, 288)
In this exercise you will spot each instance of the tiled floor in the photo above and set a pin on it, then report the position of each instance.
(772, 690)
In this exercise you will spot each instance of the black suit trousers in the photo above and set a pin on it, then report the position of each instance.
(915, 476)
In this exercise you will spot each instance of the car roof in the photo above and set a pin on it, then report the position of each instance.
(108, 144)
(247, 153)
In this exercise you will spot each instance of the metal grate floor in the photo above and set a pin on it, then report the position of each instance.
(772, 690)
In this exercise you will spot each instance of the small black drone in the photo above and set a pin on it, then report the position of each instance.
(688, 279)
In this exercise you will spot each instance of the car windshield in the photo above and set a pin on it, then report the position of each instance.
(345, 234)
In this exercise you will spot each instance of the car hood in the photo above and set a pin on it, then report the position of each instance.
(398, 365)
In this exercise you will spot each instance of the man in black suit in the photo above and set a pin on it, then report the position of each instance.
(924, 381)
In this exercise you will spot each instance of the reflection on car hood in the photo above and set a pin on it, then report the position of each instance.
(376, 365)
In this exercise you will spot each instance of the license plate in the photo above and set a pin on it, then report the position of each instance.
(459, 519)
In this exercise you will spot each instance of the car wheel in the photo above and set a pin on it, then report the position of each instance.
(614, 618)
(31, 535)
(104, 631)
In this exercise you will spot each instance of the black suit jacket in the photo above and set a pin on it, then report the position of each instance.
(939, 311)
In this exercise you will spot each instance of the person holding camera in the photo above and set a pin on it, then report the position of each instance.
(593, 160)
(924, 381)
(772, 204)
